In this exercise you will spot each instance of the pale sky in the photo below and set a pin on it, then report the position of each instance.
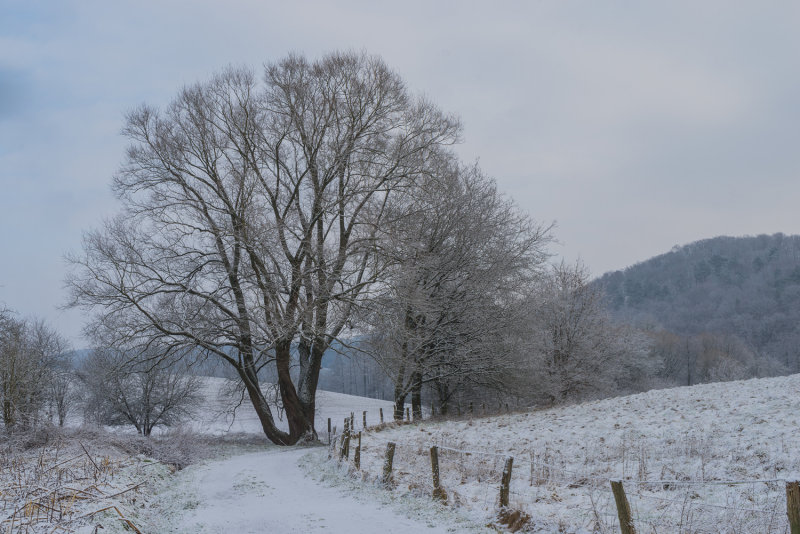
(636, 126)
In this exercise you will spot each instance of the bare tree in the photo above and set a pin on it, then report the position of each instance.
(30, 353)
(63, 390)
(464, 257)
(578, 351)
(52, 351)
(144, 389)
(251, 212)
(709, 357)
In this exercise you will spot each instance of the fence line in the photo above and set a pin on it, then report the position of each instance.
(594, 477)
(580, 479)
(702, 504)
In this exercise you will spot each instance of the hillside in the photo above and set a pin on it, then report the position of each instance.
(707, 458)
(747, 287)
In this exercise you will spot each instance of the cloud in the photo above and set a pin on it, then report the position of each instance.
(637, 126)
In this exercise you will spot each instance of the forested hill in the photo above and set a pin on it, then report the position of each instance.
(745, 286)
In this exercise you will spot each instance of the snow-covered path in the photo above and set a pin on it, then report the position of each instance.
(269, 492)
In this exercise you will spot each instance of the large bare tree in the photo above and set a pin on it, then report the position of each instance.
(465, 257)
(250, 216)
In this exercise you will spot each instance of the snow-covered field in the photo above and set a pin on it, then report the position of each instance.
(708, 458)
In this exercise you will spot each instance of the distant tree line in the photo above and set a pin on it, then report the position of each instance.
(719, 309)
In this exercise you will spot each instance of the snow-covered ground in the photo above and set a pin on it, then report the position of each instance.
(268, 491)
(708, 458)
(214, 416)
(72, 482)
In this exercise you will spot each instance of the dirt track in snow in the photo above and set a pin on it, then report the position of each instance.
(268, 492)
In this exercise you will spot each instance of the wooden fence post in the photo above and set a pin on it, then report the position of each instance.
(623, 508)
(364, 420)
(381, 411)
(387, 464)
(357, 455)
(438, 492)
(345, 433)
(331, 446)
(505, 482)
(329, 430)
(793, 505)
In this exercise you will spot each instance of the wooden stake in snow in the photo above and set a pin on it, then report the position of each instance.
(505, 482)
(438, 492)
(357, 455)
(623, 508)
(381, 411)
(329, 430)
(387, 464)
(345, 452)
(793, 504)
(364, 420)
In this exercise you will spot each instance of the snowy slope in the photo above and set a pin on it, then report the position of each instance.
(719, 453)
(214, 415)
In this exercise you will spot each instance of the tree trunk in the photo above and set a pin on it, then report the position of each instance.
(416, 395)
(443, 393)
(8, 414)
(310, 366)
(399, 403)
(260, 405)
(400, 391)
(299, 425)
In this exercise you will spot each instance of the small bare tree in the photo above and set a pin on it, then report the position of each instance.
(577, 350)
(63, 389)
(30, 354)
(145, 389)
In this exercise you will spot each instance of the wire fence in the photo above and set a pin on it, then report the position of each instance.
(543, 486)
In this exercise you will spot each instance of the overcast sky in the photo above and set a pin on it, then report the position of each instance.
(636, 126)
